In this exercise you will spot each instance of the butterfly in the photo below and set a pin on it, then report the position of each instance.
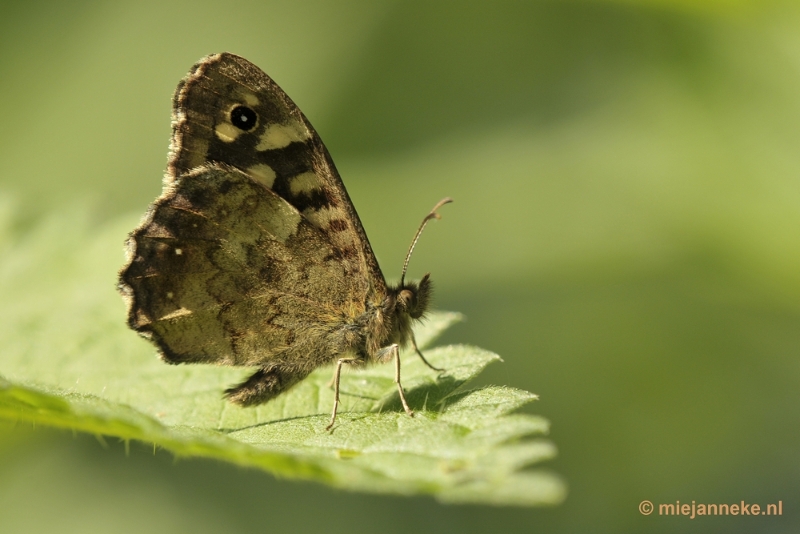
(254, 255)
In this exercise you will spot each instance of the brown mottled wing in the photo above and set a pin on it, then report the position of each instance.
(282, 151)
(224, 270)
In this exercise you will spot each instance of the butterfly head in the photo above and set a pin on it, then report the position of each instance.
(413, 298)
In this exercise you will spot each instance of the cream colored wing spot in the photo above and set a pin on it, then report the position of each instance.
(282, 135)
(142, 319)
(227, 132)
(263, 173)
(250, 98)
(178, 251)
(304, 183)
(322, 217)
(286, 224)
(180, 312)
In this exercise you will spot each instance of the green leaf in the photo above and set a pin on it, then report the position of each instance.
(69, 361)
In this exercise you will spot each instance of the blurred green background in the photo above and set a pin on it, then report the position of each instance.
(626, 234)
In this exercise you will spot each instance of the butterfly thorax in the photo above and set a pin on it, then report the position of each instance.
(391, 322)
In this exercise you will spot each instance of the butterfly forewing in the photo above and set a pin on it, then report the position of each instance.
(276, 146)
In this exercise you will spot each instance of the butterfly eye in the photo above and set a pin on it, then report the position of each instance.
(243, 118)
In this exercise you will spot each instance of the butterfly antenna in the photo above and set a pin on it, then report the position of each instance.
(428, 217)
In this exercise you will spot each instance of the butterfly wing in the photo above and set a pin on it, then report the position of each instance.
(223, 270)
(254, 250)
(278, 147)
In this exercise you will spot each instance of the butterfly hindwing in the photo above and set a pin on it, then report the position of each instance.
(226, 271)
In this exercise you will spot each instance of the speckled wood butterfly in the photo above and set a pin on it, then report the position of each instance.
(254, 255)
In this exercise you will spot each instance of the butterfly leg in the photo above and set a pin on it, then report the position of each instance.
(335, 381)
(396, 351)
(414, 343)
